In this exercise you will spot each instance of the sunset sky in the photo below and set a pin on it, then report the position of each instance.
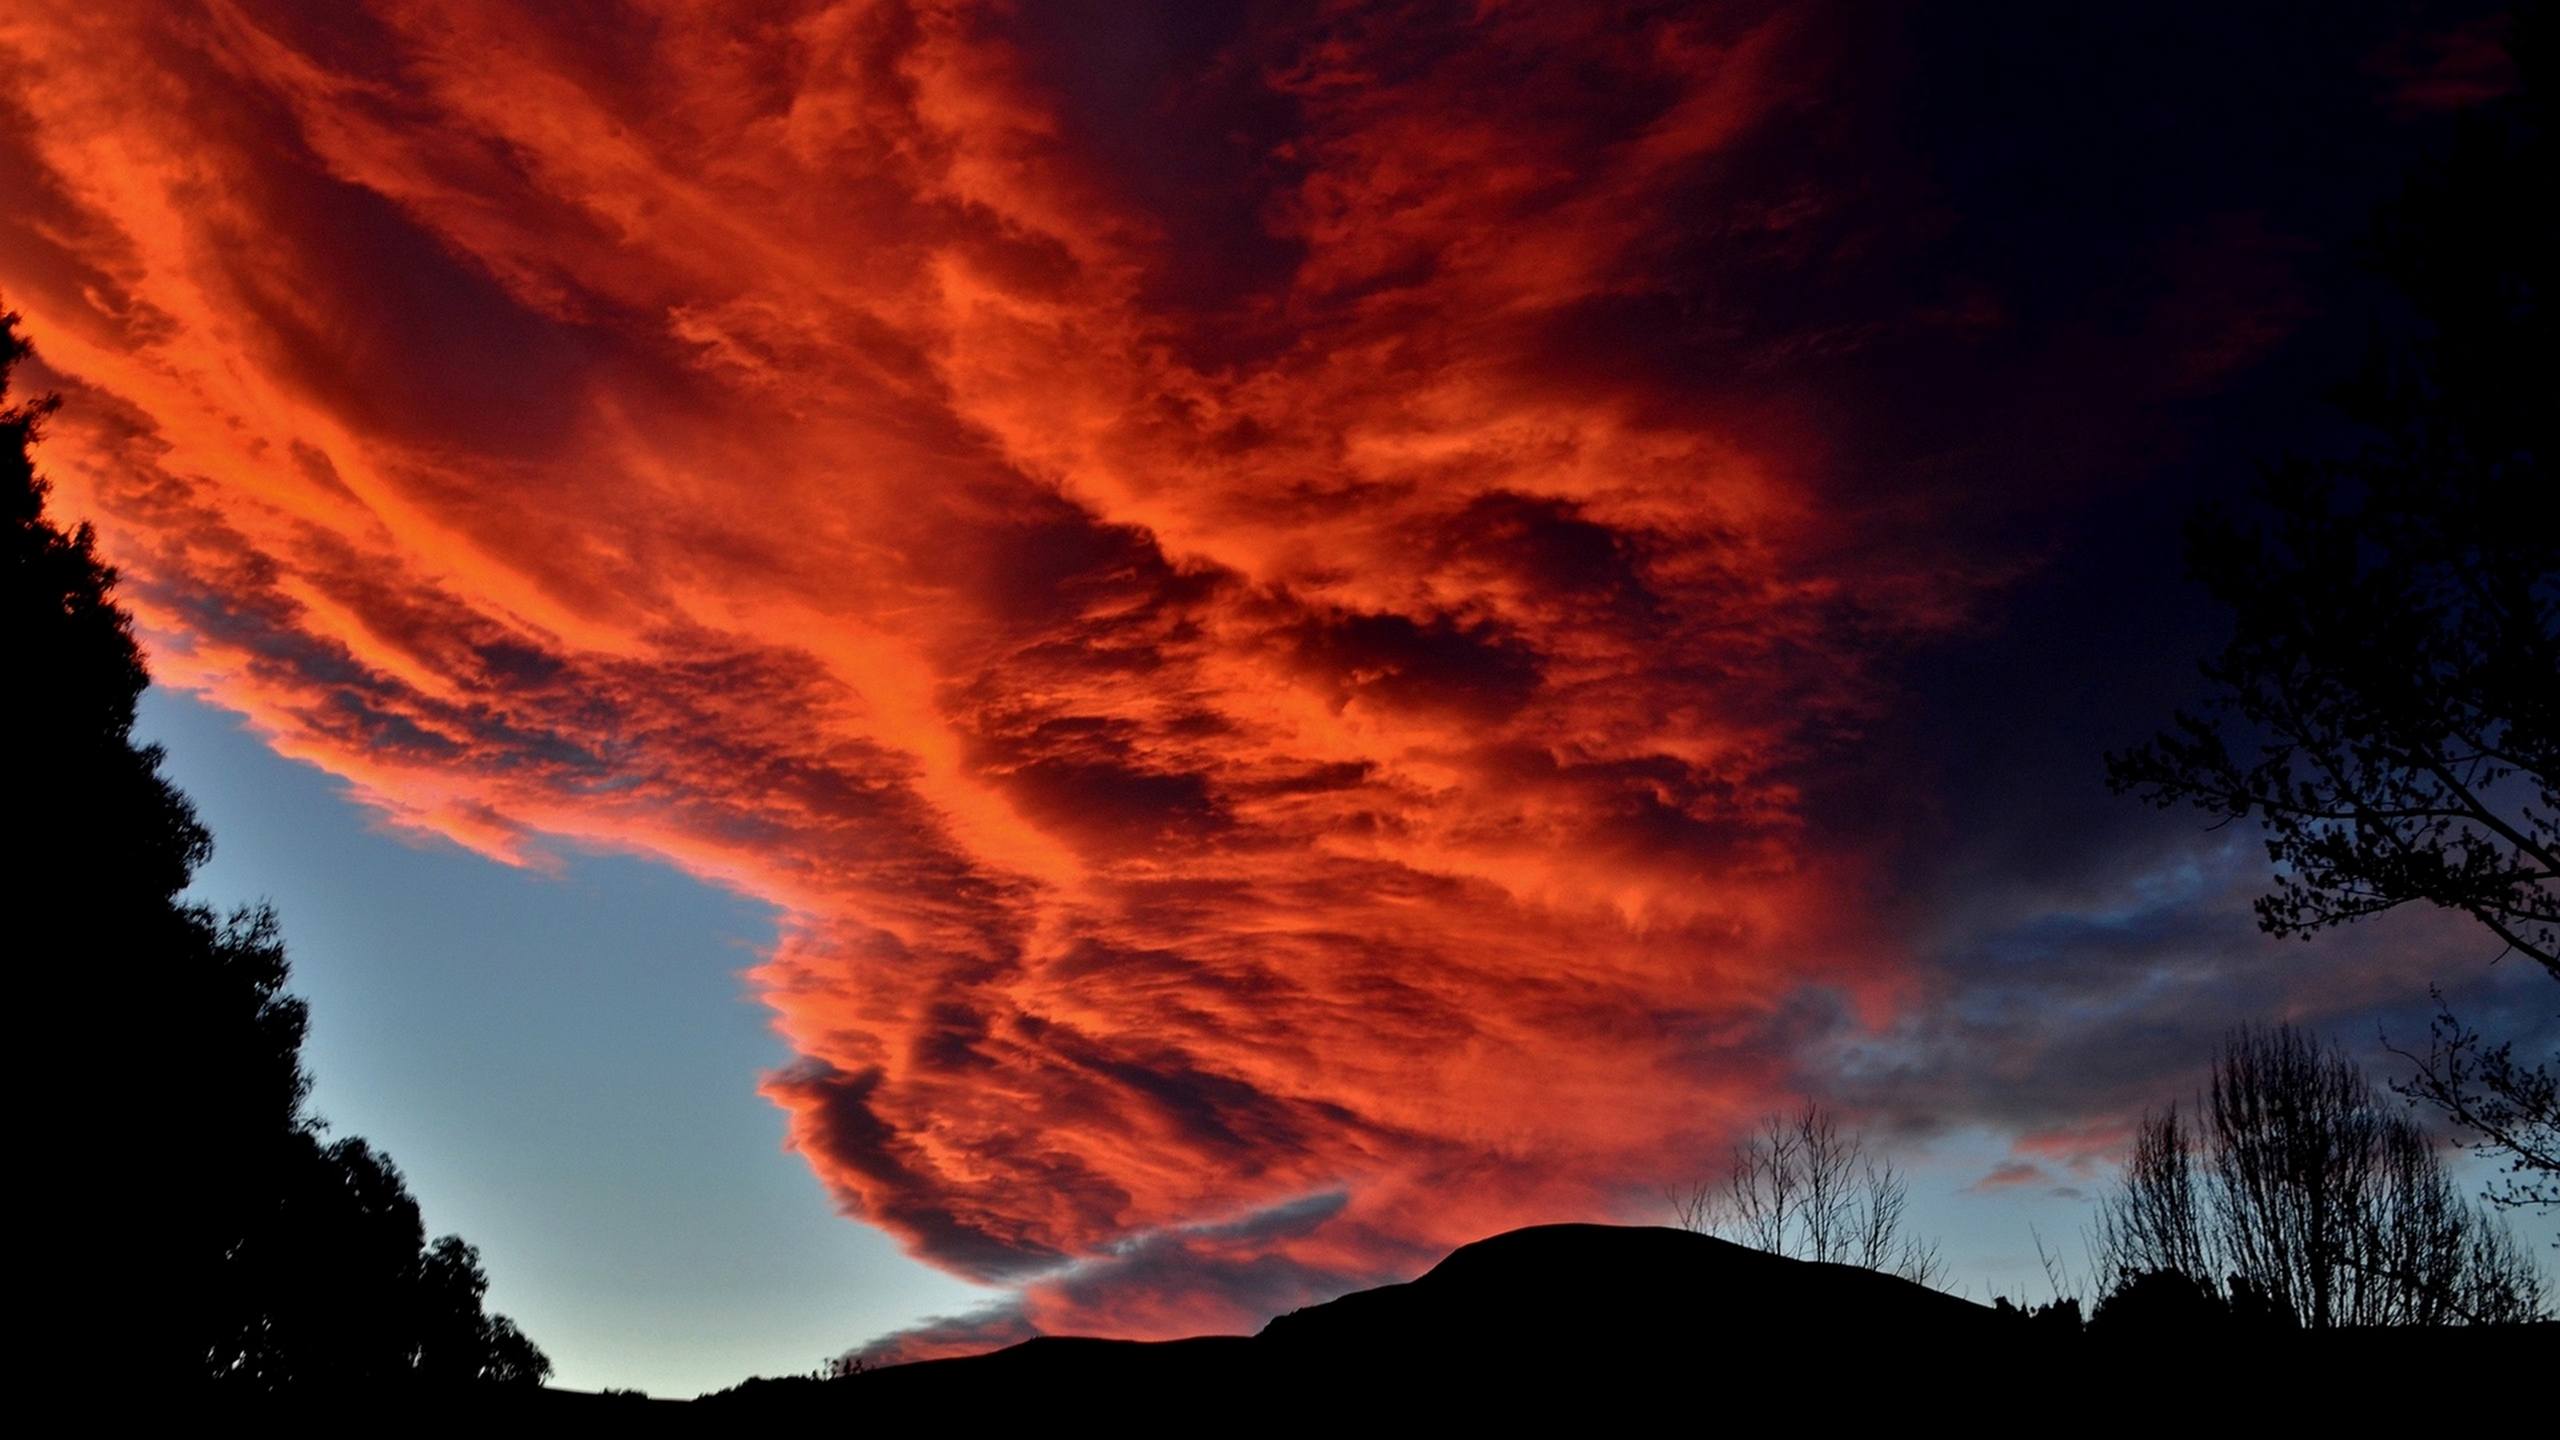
(1179, 655)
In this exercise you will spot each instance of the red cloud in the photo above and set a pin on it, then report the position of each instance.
(1341, 736)
(2083, 1148)
(2009, 1175)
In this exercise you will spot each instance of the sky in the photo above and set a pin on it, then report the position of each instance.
(915, 673)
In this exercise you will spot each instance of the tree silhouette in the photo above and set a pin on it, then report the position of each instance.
(1801, 1187)
(221, 1238)
(2157, 1305)
(2511, 1106)
(2300, 1196)
(2386, 709)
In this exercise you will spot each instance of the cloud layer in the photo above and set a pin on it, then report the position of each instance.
(1300, 610)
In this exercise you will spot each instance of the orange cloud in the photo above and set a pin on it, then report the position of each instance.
(1333, 738)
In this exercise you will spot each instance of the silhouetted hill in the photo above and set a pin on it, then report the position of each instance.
(1598, 1291)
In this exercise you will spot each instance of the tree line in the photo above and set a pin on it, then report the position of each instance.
(200, 1217)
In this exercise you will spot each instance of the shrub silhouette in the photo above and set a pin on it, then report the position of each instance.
(2159, 1305)
(195, 1211)
(2172, 1305)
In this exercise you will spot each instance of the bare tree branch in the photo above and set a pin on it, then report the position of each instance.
(1799, 1186)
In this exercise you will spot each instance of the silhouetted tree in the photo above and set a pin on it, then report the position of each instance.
(2314, 1200)
(461, 1340)
(2159, 1305)
(2386, 709)
(2058, 1318)
(2155, 1221)
(1800, 1187)
(2510, 1107)
(220, 1237)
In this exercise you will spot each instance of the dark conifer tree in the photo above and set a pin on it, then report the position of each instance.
(200, 1227)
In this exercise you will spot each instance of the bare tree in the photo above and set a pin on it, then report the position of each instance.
(2303, 1190)
(1801, 1187)
(2154, 1220)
